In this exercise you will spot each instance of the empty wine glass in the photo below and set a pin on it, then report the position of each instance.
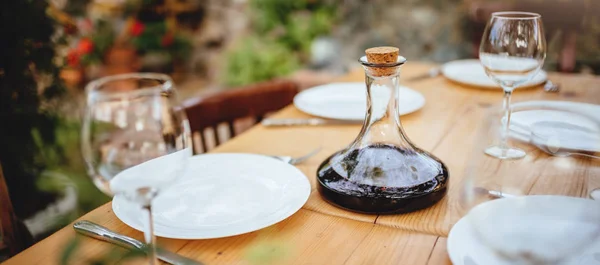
(512, 51)
(535, 210)
(135, 139)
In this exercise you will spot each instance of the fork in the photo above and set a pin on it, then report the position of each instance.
(297, 160)
(551, 87)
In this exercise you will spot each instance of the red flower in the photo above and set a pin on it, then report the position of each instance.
(73, 58)
(85, 46)
(137, 28)
(167, 39)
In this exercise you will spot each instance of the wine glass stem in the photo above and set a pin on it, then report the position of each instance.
(507, 114)
(149, 236)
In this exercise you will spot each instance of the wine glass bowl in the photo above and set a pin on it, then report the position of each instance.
(135, 139)
(512, 51)
(547, 204)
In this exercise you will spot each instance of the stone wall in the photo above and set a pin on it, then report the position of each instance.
(431, 30)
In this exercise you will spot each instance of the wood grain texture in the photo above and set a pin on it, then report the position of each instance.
(324, 234)
(439, 255)
(307, 237)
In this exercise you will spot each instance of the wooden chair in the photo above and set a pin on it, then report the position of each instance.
(14, 236)
(230, 106)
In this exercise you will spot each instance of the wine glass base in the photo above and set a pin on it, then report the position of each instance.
(505, 152)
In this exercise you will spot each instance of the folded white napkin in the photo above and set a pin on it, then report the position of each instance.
(583, 115)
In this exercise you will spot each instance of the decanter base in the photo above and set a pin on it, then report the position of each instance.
(380, 205)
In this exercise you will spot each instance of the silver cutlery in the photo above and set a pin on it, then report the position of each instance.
(297, 160)
(551, 87)
(561, 152)
(547, 136)
(272, 122)
(99, 232)
(494, 194)
(433, 72)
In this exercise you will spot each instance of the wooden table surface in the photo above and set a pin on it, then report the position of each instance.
(320, 233)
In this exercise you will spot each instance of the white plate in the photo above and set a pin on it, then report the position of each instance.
(522, 121)
(348, 101)
(465, 248)
(470, 72)
(223, 195)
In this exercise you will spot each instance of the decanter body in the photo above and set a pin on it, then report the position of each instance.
(382, 171)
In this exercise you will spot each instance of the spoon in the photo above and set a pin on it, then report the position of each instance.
(565, 139)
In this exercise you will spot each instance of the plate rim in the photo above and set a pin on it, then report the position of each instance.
(123, 217)
(483, 86)
(465, 224)
(299, 96)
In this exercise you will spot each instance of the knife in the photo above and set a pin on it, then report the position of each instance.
(307, 122)
(99, 232)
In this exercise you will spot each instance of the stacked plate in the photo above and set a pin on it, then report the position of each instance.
(567, 125)
(465, 247)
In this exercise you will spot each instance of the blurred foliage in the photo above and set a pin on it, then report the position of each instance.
(152, 32)
(267, 251)
(280, 39)
(72, 166)
(255, 60)
(158, 38)
(102, 39)
(77, 7)
(28, 76)
(115, 255)
(588, 44)
(35, 140)
(140, 24)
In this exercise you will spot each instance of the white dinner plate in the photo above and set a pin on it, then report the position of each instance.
(465, 248)
(348, 101)
(222, 195)
(470, 72)
(523, 120)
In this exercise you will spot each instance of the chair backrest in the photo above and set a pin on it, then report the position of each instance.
(14, 236)
(227, 106)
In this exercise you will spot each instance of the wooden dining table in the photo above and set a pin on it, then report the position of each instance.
(321, 233)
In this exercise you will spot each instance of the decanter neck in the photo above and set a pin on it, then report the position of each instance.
(382, 122)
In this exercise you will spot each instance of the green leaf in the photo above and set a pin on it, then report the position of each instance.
(69, 250)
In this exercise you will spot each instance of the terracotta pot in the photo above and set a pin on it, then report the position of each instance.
(121, 59)
(72, 77)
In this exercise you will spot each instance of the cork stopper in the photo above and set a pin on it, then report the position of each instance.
(382, 55)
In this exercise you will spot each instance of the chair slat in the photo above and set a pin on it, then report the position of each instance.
(229, 105)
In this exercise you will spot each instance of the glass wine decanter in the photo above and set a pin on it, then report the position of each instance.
(382, 171)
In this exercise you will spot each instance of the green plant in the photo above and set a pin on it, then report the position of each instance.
(28, 77)
(254, 60)
(157, 37)
(151, 31)
(72, 166)
(114, 255)
(280, 39)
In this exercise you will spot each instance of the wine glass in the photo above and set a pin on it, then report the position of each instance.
(135, 139)
(512, 51)
(539, 209)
